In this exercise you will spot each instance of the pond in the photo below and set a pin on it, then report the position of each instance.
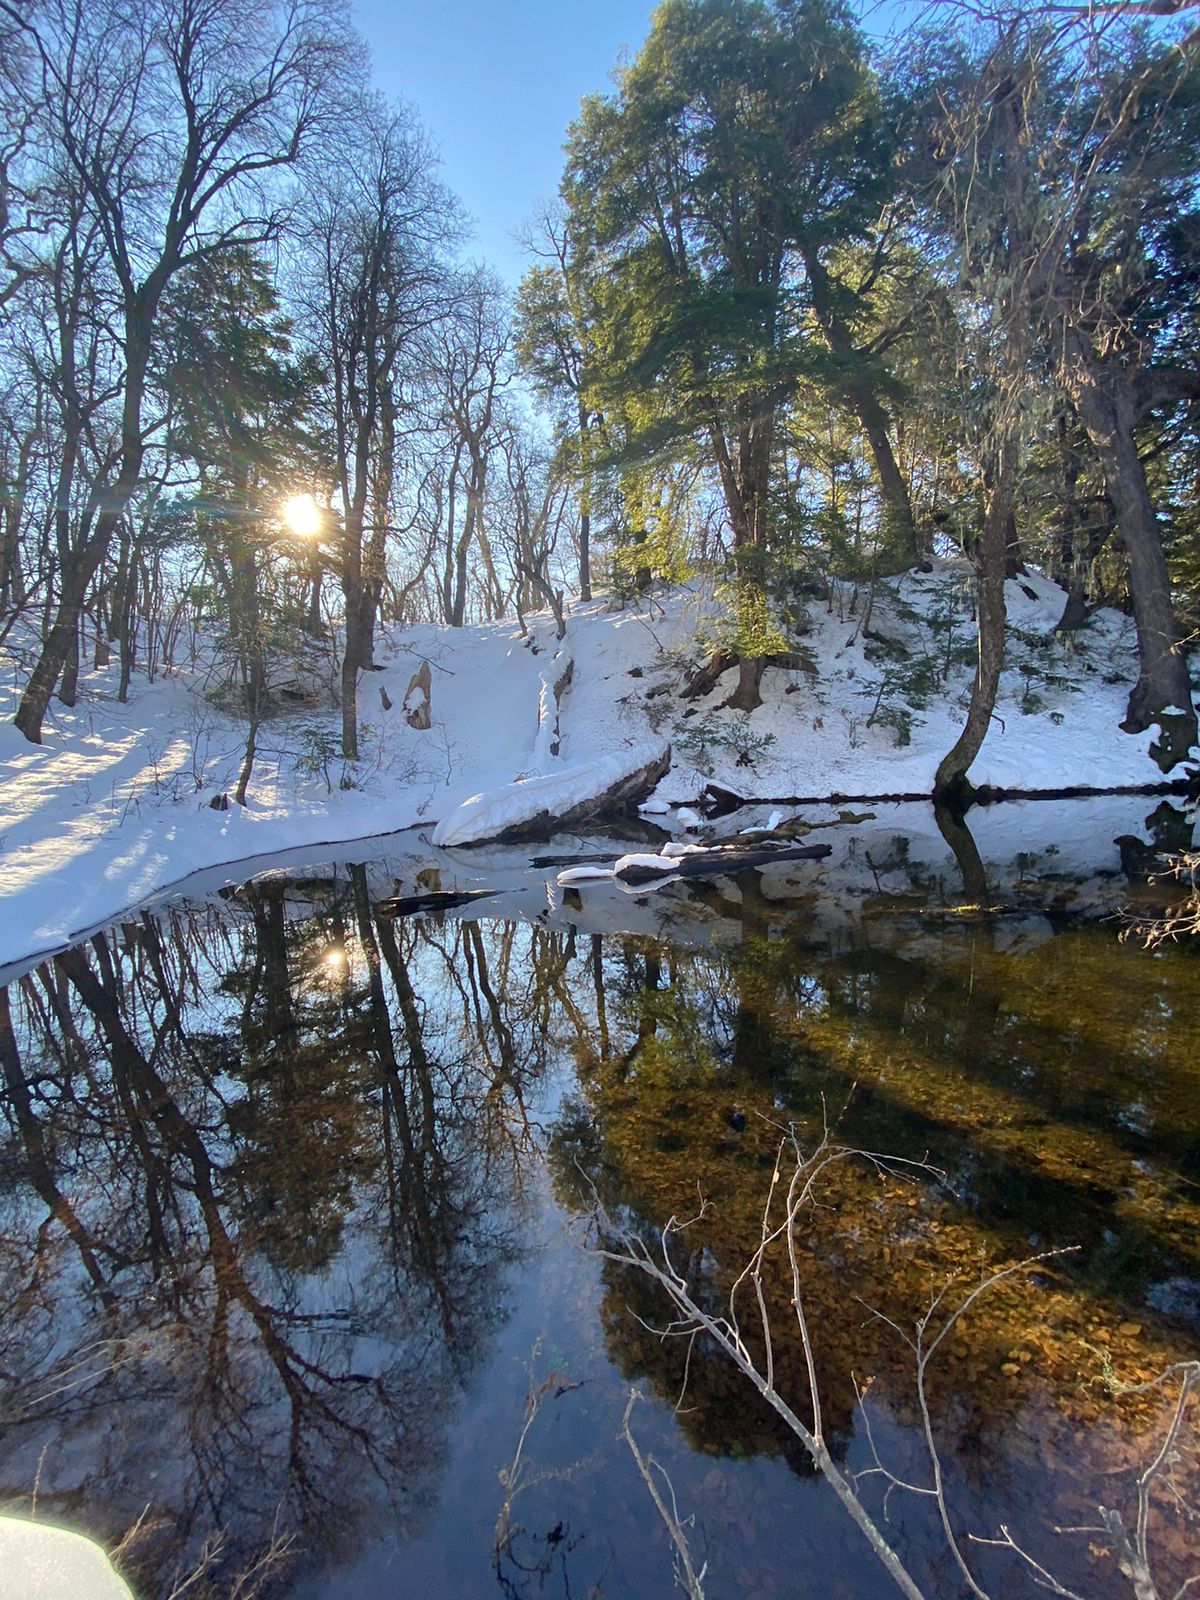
(298, 1215)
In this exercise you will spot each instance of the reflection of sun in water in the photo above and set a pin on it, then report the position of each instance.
(302, 516)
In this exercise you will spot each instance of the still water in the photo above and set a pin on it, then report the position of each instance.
(298, 1293)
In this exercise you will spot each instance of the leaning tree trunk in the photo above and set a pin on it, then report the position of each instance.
(85, 563)
(951, 779)
(1163, 692)
(63, 634)
(68, 682)
(900, 526)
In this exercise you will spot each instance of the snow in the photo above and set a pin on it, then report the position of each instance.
(769, 826)
(40, 1562)
(486, 816)
(650, 860)
(113, 808)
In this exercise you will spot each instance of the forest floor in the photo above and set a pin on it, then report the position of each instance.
(114, 806)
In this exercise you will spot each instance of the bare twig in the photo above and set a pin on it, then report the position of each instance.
(690, 1579)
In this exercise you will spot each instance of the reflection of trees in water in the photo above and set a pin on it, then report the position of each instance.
(922, 1038)
(264, 1169)
(261, 1180)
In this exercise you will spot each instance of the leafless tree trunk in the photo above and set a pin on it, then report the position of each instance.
(378, 226)
(1106, 402)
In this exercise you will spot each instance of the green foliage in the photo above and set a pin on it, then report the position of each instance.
(1040, 670)
(911, 674)
(700, 740)
(899, 718)
(320, 756)
(240, 403)
(652, 543)
(756, 633)
(742, 128)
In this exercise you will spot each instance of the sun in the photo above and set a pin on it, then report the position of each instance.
(302, 516)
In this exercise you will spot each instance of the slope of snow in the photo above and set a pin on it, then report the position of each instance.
(114, 806)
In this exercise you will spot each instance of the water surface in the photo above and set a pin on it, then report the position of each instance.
(295, 1202)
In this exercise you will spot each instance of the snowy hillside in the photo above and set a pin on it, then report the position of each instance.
(115, 805)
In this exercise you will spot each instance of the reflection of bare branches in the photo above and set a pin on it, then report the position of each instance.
(628, 1250)
(926, 1340)
(204, 1580)
(780, 1233)
(517, 1479)
(201, 1132)
(1135, 1550)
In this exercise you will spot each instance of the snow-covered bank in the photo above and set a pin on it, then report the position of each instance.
(114, 806)
(1069, 854)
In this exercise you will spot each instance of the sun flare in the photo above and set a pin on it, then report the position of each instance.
(302, 516)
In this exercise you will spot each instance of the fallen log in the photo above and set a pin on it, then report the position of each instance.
(563, 798)
(404, 905)
(541, 862)
(723, 859)
(645, 867)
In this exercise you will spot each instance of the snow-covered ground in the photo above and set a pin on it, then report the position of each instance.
(113, 807)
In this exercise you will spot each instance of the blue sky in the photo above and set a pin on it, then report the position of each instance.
(496, 83)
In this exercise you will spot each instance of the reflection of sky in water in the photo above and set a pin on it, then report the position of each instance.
(306, 1250)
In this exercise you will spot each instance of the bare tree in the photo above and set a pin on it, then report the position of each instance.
(379, 224)
(555, 345)
(164, 126)
(1069, 170)
(471, 357)
(535, 507)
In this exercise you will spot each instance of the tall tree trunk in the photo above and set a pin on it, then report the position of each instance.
(1163, 692)
(68, 683)
(109, 506)
(745, 474)
(585, 508)
(375, 549)
(352, 656)
(63, 632)
(248, 620)
(900, 528)
(951, 779)
(12, 507)
(123, 604)
(475, 490)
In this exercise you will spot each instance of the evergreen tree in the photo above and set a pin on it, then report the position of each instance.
(745, 132)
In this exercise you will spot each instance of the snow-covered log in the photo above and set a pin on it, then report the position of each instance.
(562, 798)
(692, 861)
